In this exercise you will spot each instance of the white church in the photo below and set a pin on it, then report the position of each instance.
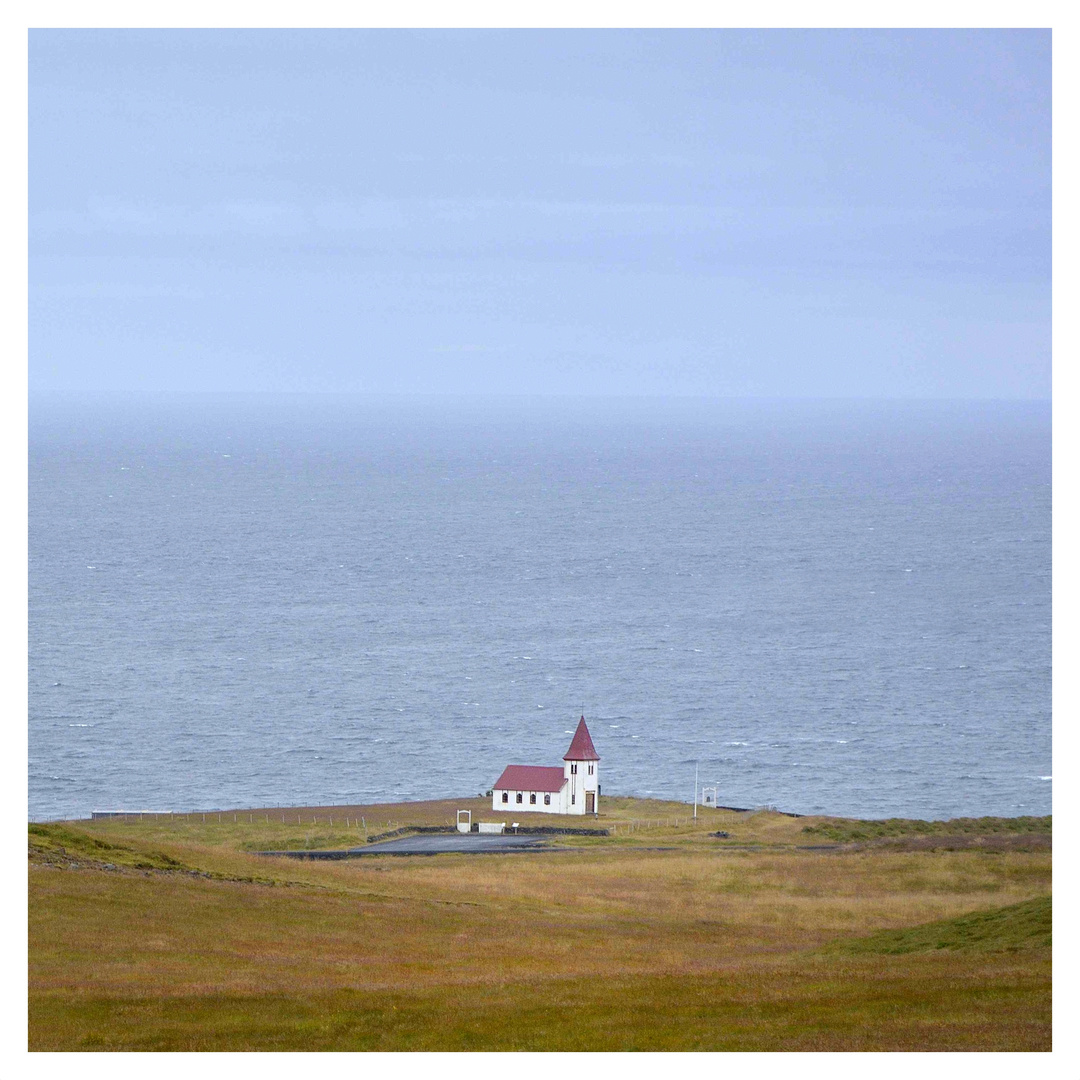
(573, 789)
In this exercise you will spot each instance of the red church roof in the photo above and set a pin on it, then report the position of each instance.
(531, 778)
(581, 747)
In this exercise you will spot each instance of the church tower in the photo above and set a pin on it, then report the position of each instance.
(581, 767)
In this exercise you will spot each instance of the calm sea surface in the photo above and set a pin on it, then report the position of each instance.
(832, 607)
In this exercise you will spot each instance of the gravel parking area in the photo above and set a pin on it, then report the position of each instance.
(431, 844)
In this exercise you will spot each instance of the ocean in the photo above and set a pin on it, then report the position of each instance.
(835, 607)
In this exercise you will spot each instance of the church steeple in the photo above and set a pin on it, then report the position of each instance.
(581, 746)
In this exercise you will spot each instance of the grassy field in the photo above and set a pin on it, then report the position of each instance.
(790, 933)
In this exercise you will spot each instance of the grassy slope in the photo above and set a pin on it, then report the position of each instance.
(749, 943)
(1013, 928)
(838, 829)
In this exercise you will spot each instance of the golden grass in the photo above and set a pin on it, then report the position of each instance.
(914, 1003)
(707, 945)
(638, 822)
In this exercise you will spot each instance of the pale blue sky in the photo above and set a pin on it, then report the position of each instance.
(722, 213)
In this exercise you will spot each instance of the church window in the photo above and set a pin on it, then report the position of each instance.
(591, 767)
(506, 796)
(532, 798)
(547, 800)
(573, 768)
(519, 796)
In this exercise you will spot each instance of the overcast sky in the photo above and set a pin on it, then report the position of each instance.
(617, 212)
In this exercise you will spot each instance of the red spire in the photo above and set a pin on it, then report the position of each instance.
(581, 747)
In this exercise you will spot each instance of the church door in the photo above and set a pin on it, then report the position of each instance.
(590, 802)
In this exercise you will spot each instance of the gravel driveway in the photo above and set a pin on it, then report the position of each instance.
(430, 844)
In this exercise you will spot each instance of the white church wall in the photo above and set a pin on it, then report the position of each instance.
(527, 806)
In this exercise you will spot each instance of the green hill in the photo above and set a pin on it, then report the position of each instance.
(1007, 929)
